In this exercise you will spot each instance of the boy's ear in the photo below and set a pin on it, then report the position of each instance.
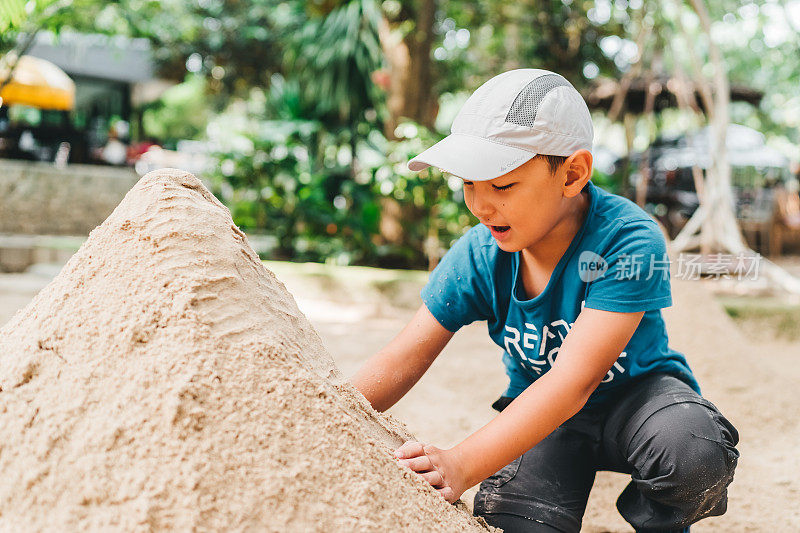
(577, 171)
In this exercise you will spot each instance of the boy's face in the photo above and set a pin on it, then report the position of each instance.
(522, 206)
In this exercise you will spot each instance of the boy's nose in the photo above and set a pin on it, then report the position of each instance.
(481, 208)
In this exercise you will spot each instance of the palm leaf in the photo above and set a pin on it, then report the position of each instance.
(334, 57)
(12, 14)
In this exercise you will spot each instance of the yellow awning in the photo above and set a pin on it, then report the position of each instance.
(37, 83)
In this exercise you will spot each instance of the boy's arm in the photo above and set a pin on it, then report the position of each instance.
(588, 351)
(389, 374)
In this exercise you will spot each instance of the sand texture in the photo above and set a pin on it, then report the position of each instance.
(166, 379)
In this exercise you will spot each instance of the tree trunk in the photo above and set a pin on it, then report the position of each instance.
(644, 164)
(410, 85)
(719, 231)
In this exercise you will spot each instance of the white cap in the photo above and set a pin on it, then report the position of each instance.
(506, 122)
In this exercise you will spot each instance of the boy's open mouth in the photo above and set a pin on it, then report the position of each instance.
(501, 229)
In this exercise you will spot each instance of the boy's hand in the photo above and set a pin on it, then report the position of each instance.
(436, 466)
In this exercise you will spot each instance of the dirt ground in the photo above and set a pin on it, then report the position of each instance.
(752, 379)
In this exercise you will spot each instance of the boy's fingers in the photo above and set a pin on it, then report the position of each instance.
(434, 478)
(448, 494)
(409, 449)
(418, 464)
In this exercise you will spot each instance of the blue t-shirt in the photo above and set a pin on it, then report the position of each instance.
(616, 262)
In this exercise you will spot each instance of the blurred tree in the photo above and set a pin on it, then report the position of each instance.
(180, 113)
(560, 35)
(332, 57)
(407, 38)
(21, 21)
(760, 43)
(12, 13)
(237, 44)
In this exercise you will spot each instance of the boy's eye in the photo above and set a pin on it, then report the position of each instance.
(503, 187)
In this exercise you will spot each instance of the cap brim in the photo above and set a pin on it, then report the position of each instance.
(471, 158)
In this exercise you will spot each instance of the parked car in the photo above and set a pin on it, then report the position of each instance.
(671, 195)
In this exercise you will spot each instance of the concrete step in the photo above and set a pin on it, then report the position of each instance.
(19, 252)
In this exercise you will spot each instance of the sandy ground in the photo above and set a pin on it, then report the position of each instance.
(753, 381)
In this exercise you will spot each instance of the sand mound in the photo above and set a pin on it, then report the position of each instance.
(166, 380)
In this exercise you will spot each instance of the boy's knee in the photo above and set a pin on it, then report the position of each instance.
(687, 456)
(706, 472)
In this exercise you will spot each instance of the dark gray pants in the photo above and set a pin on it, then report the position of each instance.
(676, 445)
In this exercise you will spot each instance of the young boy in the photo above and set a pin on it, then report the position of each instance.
(571, 280)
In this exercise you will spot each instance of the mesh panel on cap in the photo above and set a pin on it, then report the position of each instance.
(526, 104)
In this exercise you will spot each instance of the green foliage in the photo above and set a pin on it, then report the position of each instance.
(238, 44)
(608, 182)
(333, 56)
(30, 16)
(432, 210)
(287, 89)
(291, 179)
(181, 113)
(278, 186)
(243, 40)
(12, 13)
(556, 35)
